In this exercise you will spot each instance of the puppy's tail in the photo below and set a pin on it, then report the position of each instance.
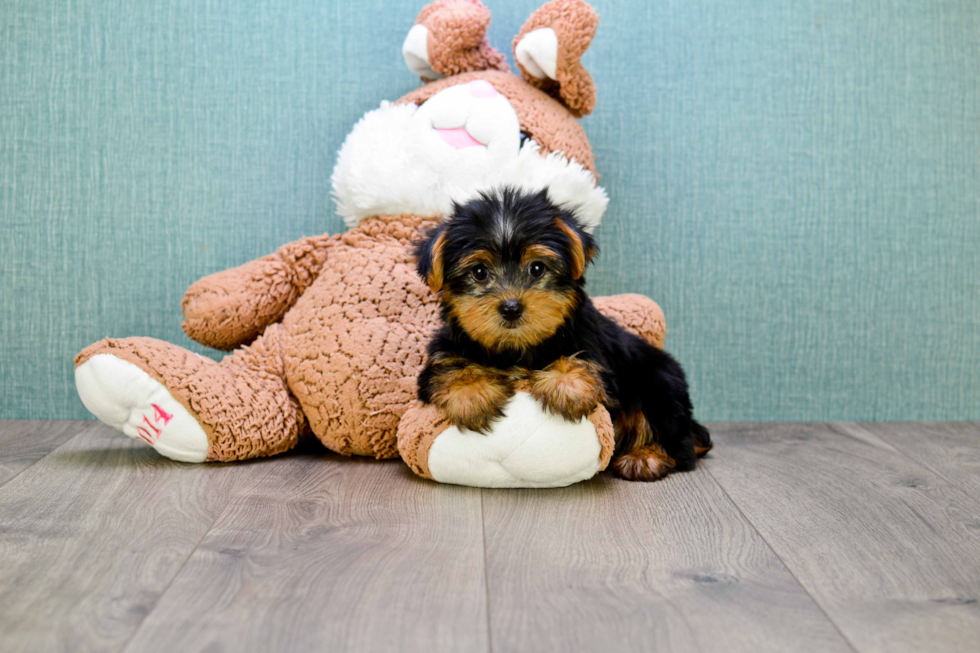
(702, 444)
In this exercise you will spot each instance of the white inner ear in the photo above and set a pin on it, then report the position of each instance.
(416, 52)
(538, 53)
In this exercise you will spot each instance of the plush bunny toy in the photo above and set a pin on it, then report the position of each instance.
(329, 332)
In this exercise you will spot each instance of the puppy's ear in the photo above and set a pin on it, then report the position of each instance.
(429, 256)
(581, 246)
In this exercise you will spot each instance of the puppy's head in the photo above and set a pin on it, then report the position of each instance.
(509, 267)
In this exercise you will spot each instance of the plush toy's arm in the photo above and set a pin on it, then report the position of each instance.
(527, 447)
(231, 308)
(637, 314)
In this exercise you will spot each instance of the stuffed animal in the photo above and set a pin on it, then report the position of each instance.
(329, 332)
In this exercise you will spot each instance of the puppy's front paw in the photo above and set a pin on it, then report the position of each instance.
(473, 396)
(644, 464)
(569, 387)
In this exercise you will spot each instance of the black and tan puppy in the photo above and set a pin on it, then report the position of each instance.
(508, 267)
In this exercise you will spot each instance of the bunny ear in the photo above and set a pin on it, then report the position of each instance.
(448, 38)
(548, 49)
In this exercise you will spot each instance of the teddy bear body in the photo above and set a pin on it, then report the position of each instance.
(360, 331)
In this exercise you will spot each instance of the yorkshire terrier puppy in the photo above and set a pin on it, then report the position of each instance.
(508, 267)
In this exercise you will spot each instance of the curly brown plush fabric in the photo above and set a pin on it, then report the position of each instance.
(607, 435)
(361, 331)
(457, 41)
(635, 313)
(420, 426)
(544, 118)
(231, 308)
(574, 23)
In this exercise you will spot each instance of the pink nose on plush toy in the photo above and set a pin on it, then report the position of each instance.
(482, 88)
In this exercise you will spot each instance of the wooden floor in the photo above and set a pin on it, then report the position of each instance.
(789, 538)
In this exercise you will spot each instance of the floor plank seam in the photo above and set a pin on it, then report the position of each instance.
(486, 571)
(789, 570)
(170, 583)
(84, 430)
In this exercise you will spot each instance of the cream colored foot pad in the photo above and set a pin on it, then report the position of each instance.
(130, 400)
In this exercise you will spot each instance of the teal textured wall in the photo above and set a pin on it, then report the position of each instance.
(795, 181)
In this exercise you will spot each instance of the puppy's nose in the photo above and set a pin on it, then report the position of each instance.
(510, 310)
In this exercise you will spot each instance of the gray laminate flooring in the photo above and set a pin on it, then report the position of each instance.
(788, 538)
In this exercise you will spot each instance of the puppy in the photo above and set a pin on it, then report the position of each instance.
(508, 267)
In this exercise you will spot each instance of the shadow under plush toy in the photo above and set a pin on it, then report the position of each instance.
(329, 333)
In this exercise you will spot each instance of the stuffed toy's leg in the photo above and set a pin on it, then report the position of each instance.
(528, 447)
(188, 407)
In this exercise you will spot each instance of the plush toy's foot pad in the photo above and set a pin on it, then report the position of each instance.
(527, 448)
(125, 397)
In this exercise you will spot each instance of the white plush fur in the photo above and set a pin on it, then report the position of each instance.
(394, 162)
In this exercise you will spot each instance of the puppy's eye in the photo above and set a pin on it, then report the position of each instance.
(537, 269)
(480, 272)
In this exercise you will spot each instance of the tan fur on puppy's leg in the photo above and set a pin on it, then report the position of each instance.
(643, 460)
(644, 463)
(471, 396)
(570, 387)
